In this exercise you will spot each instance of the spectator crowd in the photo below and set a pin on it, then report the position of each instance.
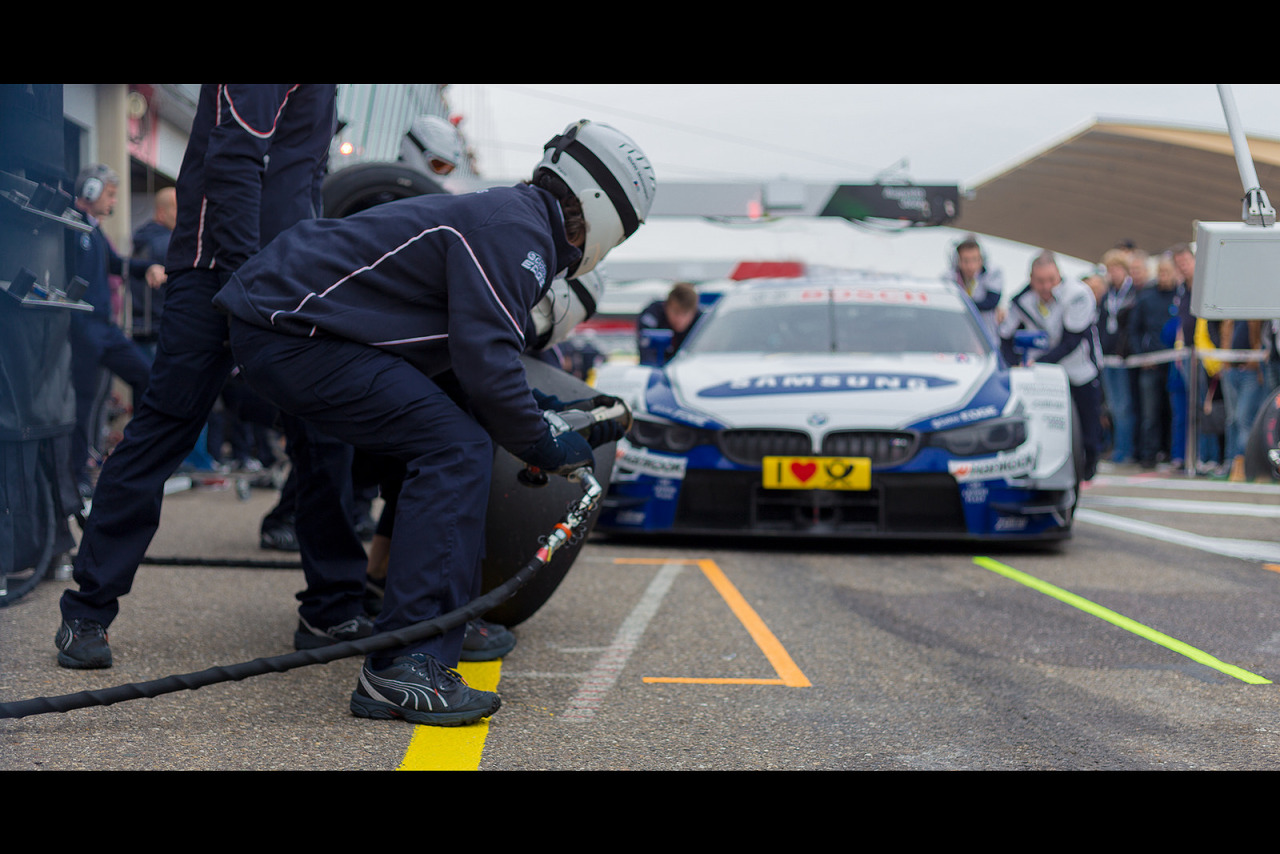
(1143, 337)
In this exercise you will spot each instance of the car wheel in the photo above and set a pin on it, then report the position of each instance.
(365, 185)
(1263, 436)
(519, 517)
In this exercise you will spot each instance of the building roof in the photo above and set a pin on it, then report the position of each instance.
(1115, 181)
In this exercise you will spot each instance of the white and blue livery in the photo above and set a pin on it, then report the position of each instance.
(841, 405)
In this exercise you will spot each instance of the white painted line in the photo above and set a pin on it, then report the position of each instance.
(1186, 484)
(610, 665)
(1176, 505)
(1258, 550)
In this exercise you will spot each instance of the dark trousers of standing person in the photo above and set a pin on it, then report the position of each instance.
(192, 363)
(97, 344)
(380, 403)
(1153, 403)
(1087, 398)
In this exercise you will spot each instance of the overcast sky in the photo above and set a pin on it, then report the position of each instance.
(946, 133)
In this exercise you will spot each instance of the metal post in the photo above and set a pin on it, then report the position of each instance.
(1257, 207)
(1193, 407)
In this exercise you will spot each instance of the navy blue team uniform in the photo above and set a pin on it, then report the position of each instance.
(366, 325)
(253, 167)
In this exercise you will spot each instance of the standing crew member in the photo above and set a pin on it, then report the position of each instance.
(151, 245)
(1066, 310)
(253, 166)
(399, 329)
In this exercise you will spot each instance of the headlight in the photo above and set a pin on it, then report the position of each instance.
(672, 438)
(988, 437)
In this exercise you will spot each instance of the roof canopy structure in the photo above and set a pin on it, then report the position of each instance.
(1117, 181)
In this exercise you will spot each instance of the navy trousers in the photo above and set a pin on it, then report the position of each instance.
(192, 363)
(380, 403)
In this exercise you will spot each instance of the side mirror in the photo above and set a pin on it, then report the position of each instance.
(1027, 339)
(653, 346)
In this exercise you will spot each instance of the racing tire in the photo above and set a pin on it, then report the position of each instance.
(519, 517)
(1263, 436)
(366, 185)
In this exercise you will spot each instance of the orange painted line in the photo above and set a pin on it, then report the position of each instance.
(788, 673)
(769, 645)
(725, 681)
(1274, 567)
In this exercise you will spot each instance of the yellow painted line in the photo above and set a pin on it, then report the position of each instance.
(788, 673)
(1274, 567)
(457, 748)
(1120, 620)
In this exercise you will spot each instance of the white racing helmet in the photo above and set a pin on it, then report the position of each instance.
(566, 303)
(609, 175)
(431, 138)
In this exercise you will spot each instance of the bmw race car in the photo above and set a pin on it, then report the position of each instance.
(843, 405)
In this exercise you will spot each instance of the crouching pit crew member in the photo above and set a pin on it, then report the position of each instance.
(348, 322)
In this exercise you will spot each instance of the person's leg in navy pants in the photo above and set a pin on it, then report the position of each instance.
(380, 403)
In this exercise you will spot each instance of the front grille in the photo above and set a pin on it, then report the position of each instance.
(749, 447)
(896, 504)
(883, 447)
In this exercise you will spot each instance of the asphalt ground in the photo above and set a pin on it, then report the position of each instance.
(1150, 641)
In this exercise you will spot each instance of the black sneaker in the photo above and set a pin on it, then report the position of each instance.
(82, 645)
(421, 690)
(282, 538)
(309, 637)
(486, 641)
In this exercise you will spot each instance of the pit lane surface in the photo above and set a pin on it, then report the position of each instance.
(1149, 641)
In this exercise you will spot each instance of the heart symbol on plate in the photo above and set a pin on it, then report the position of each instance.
(804, 471)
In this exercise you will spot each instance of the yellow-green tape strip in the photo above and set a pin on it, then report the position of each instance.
(1120, 620)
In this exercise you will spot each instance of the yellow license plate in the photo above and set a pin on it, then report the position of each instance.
(817, 473)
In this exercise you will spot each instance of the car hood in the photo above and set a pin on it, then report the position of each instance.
(878, 392)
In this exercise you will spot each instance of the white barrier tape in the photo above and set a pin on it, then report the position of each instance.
(1161, 356)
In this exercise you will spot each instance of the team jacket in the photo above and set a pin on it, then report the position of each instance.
(96, 261)
(272, 136)
(444, 281)
(655, 317)
(1070, 321)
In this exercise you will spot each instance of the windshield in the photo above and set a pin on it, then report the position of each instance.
(828, 326)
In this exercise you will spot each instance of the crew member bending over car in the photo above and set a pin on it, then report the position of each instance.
(678, 312)
(350, 322)
(1064, 309)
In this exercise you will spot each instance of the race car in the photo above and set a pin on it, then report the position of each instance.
(843, 405)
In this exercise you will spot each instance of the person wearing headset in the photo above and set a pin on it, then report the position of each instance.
(399, 329)
(97, 343)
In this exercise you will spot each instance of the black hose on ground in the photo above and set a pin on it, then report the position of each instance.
(345, 649)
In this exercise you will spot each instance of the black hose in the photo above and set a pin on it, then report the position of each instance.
(559, 535)
(280, 663)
